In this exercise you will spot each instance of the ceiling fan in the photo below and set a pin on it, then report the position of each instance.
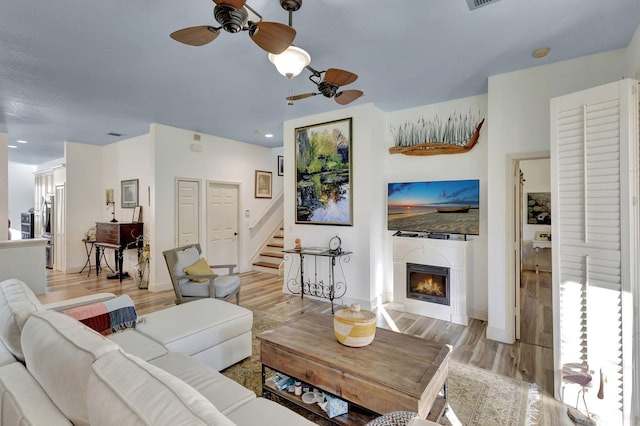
(328, 83)
(233, 17)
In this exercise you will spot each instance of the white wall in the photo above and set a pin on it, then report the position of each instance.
(21, 191)
(124, 160)
(221, 160)
(470, 165)
(519, 105)
(364, 272)
(83, 199)
(24, 260)
(4, 185)
(633, 56)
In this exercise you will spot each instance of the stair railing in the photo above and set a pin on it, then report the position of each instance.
(276, 203)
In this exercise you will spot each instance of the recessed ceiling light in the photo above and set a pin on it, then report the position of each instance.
(11, 146)
(268, 135)
(21, 141)
(540, 53)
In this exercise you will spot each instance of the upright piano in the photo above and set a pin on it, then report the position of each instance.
(119, 237)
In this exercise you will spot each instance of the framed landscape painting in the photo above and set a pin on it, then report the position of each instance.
(323, 174)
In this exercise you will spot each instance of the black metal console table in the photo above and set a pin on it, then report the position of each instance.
(330, 290)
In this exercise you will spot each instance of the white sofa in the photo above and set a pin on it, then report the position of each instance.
(56, 371)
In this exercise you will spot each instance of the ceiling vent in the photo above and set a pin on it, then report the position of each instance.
(475, 4)
(115, 134)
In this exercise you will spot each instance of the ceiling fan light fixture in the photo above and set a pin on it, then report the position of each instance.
(232, 20)
(291, 62)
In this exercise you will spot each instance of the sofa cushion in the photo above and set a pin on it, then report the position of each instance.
(186, 257)
(108, 316)
(223, 392)
(63, 305)
(59, 352)
(6, 357)
(224, 285)
(196, 326)
(17, 302)
(124, 390)
(135, 343)
(201, 267)
(23, 401)
(260, 411)
(192, 288)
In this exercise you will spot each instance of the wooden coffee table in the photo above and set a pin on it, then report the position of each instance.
(395, 372)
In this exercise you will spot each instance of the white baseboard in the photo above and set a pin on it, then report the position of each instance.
(499, 335)
(156, 287)
(478, 314)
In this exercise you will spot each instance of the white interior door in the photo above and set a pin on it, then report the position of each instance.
(188, 217)
(58, 231)
(594, 158)
(222, 223)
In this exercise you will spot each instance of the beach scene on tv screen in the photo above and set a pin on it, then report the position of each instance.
(448, 207)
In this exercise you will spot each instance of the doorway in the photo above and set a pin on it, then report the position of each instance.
(533, 292)
(222, 223)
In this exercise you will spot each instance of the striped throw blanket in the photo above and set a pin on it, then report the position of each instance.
(107, 317)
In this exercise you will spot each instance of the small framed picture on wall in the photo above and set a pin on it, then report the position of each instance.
(263, 184)
(129, 193)
(280, 165)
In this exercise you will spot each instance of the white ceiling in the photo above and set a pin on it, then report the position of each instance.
(75, 70)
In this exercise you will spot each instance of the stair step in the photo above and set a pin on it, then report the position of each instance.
(279, 237)
(267, 265)
(272, 254)
(276, 245)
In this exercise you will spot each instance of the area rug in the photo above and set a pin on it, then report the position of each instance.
(477, 397)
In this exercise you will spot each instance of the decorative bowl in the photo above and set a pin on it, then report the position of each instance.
(354, 327)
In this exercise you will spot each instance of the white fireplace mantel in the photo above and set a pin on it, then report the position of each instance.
(453, 254)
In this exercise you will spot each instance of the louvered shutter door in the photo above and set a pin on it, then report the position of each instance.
(590, 219)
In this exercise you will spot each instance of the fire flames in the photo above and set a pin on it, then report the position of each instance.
(429, 286)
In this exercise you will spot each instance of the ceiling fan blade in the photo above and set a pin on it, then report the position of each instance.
(348, 96)
(195, 36)
(339, 77)
(272, 36)
(235, 3)
(298, 97)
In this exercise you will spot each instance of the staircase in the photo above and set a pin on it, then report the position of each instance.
(271, 257)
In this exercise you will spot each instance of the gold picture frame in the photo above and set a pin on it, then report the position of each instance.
(323, 165)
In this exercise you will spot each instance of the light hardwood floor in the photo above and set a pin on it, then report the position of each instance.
(536, 321)
(531, 363)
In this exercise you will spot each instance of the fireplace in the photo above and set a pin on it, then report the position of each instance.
(453, 260)
(428, 283)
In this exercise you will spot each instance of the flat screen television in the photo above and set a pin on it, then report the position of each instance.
(439, 207)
